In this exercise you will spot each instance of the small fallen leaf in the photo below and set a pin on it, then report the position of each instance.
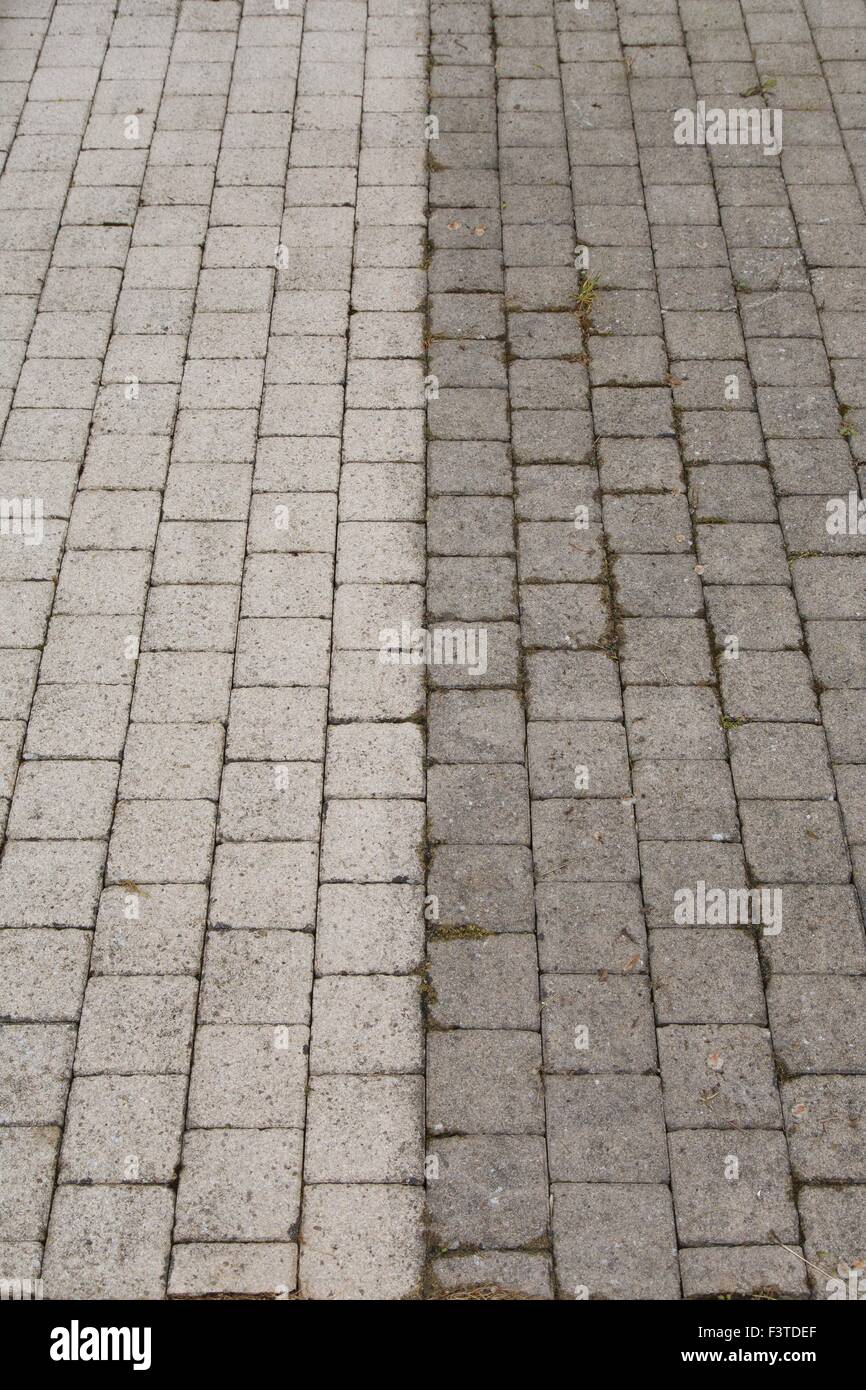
(131, 887)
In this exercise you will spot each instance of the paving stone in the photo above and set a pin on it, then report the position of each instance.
(382, 491)
(482, 526)
(233, 1268)
(20, 1259)
(764, 686)
(372, 841)
(829, 588)
(589, 927)
(44, 973)
(482, 726)
(361, 1240)
(161, 842)
(374, 760)
(564, 615)
(102, 582)
(762, 617)
(678, 722)
(646, 523)
(657, 586)
(833, 1234)
(645, 1261)
(597, 1025)
(800, 841)
(823, 1120)
(734, 554)
(239, 1182)
(668, 867)
(123, 1129)
(366, 1024)
(471, 589)
(260, 802)
(493, 666)
(718, 1077)
(586, 841)
(662, 650)
(710, 977)
(146, 931)
(606, 1129)
(849, 785)
(126, 1249)
(798, 466)
(732, 492)
(489, 888)
(190, 552)
(27, 1159)
(182, 687)
(579, 685)
(515, 1272)
(743, 1270)
(807, 1035)
(142, 1024)
(244, 1076)
(467, 808)
(490, 983)
(687, 799)
(550, 492)
(488, 1193)
(263, 886)
(484, 1081)
(256, 977)
(51, 883)
(364, 1129)
(170, 760)
(35, 1069)
(361, 611)
(835, 652)
(191, 617)
(780, 760)
(565, 758)
(549, 551)
(732, 1188)
(365, 688)
(369, 928)
(629, 464)
(821, 931)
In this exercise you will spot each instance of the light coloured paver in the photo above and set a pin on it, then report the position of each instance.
(365, 1115)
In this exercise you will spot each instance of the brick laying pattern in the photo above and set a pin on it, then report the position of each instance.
(249, 303)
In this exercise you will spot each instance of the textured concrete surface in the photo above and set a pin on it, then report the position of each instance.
(432, 648)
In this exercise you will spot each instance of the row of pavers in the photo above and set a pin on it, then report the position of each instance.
(666, 475)
(191, 274)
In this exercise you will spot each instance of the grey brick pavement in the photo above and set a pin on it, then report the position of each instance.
(432, 658)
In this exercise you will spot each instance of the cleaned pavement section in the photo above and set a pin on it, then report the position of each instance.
(433, 648)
